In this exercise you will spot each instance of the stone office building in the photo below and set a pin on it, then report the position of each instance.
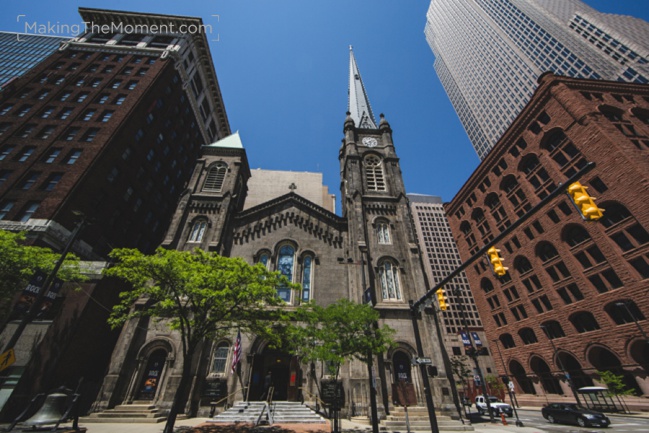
(372, 246)
(574, 298)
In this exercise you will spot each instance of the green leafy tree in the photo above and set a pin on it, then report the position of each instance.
(614, 383)
(18, 262)
(202, 296)
(338, 332)
(496, 385)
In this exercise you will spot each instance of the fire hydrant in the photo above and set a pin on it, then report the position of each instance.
(502, 417)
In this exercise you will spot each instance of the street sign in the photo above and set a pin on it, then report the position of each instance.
(425, 361)
(7, 358)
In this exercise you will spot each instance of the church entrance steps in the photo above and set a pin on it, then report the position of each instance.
(419, 421)
(137, 412)
(284, 412)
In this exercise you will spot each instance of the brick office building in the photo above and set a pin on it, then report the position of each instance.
(581, 284)
(110, 125)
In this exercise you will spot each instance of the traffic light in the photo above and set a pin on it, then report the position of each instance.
(496, 261)
(585, 203)
(441, 299)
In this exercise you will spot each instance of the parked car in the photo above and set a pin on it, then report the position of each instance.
(572, 413)
(497, 406)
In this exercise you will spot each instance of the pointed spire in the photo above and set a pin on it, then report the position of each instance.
(358, 102)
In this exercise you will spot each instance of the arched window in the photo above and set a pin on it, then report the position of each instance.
(624, 311)
(383, 233)
(583, 321)
(522, 265)
(220, 358)
(497, 211)
(389, 280)
(537, 176)
(563, 152)
(307, 278)
(481, 223)
(198, 231)
(528, 336)
(615, 213)
(215, 177)
(507, 341)
(575, 235)
(515, 195)
(546, 251)
(264, 258)
(374, 173)
(552, 329)
(286, 265)
(486, 285)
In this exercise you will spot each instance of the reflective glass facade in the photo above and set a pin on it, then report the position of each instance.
(20, 52)
(489, 54)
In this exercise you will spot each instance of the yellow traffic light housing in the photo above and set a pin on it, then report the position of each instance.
(496, 261)
(584, 202)
(441, 299)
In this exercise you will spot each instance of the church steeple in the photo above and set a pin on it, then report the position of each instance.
(358, 103)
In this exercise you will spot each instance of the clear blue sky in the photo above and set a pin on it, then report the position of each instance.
(283, 67)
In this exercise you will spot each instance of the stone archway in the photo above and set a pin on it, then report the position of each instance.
(151, 378)
(605, 360)
(639, 352)
(574, 369)
(524, 382)
(402, 367)
(550, 383)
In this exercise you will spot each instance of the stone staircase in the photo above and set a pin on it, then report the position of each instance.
(419, 421)
(284, 412)
(137, 412)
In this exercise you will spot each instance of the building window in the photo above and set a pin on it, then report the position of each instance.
(29, 181)
(528, 336)
(65, 113)
(71, 133)
(285, 265)
(264, 258)
(47, 112)
(220, 358)
(24, 110)
(537, 176)
(215, 177)
(552, 329)
(6, 208)
(90, 135)
(29, 210)
(624, 311)
(198, 231)
(88, 115)
(564, 153)
(584, 321)
(383, 232)
(507, 341)
(105, 117)
(102, 99)
(52, 181)
(515, 195)
(307, 278)
(82, 96)
(27, 152)
(6, 150)
(374, 173)
(389, 281)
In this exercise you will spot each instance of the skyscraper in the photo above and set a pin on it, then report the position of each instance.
(110, 125)
(489, 54)
(21, 52)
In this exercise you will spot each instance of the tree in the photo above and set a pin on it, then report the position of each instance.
(200, 295)
(18, 262)
(341, 331)
(614, 383)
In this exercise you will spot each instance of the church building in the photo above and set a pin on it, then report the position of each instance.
(371, 251)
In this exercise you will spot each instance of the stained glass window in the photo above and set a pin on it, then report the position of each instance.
(389, 279)
(285, 263)
(307, 268)
(383, 232)
(198, 231)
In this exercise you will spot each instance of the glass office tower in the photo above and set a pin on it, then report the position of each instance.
(20, 52)
(489, 54)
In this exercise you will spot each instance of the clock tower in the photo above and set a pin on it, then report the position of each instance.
(382, 241)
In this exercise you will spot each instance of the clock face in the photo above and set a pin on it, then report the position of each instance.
(370, 141)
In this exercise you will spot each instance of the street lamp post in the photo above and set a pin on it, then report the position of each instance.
(519, 423)
(625, 304)
(549, 334)
(31, 313)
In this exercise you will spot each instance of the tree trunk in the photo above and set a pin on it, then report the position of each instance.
(181, 391)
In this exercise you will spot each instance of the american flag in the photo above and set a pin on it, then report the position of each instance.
(236, 352)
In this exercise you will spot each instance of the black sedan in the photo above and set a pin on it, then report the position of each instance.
(571, 413)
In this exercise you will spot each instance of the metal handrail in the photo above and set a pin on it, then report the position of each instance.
(213, 404)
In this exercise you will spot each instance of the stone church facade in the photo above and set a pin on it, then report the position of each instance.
(370, 250)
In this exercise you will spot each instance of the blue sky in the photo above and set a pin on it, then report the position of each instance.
(283, 67)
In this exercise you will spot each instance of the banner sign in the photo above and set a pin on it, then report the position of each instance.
(476, 339)
(30, 293)
(465, 339)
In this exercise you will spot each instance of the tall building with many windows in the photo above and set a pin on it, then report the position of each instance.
(489, 54)
(19, 52)
(109, 125)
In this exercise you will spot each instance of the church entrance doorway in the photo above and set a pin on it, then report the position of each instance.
(152, 375)
(279, 370)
